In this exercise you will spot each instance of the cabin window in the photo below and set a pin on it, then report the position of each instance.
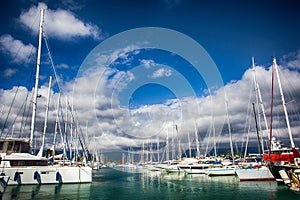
(16, 147)
(10, 146)
(15, 163)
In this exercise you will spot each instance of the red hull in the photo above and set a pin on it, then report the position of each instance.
(282, 157)
(286, 155)
(257, 179)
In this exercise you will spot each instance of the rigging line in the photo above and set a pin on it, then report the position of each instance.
(2, 111)
(51, 60)
(81, 139)
(23, 122)
(14, 120)
(14, 98)
(11, 105)
(20, 47)
(248, 118)
(63, 131)
(13, 58)
(23, 75)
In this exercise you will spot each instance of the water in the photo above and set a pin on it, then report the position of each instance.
(141, 184)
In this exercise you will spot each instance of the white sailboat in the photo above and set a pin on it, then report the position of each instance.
(230, 168)
(284, 162)
(256, 171)
(22, 167)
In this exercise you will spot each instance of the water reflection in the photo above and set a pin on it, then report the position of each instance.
(52, 191)
(145, 184)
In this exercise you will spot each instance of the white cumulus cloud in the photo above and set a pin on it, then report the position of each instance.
(62, 24)
(16, 49)
(162, 72)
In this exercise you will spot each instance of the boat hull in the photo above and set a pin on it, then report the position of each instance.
(194, 171)
(48, 175)
(255, 174)
(221, 172)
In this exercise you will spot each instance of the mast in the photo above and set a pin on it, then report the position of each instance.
(197, 141)
(35, 92)
(284, 105)
(190, 150)
(56, 127)
(179, 142)
(65, 132)
(247, 140)
(271, 115)
(229, 131)
(71, 135)
(167, 146)
(259, 99)
(173, 144)
(46, 119)
(157, 147)
(214, 135)
(258, 139)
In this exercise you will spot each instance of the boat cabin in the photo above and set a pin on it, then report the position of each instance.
(15, 153)
(15, 145)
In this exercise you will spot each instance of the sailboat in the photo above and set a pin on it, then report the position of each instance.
(256, 171)
(225, 170)
(281, 159)
(23, 167)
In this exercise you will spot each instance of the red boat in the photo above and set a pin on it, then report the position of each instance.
(283, 156)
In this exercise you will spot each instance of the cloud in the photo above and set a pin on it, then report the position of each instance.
(292, 60)
(16, 49)
(151, 121)
(162, 72)
(148, 63)
(9, 72)
(62, 66)
(114, 127)
(62, 24)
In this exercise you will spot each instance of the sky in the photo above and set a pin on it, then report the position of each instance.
(135, 70)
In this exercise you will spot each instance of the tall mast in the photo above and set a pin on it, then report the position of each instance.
(257, 134)
(173, 143)
(214, 135)
(157, 147)
(190, 150)
(35, 92)
(179, 142)
(284, 104)
(229, 131)
(259, 99)
(271, 116)
(56, 126)
(40, 153)
(167, 146)
(197, 141)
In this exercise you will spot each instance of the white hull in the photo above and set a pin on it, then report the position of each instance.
(194, 171)
(171, 169)
(255, 174)
(198, 168)
(224, 171)
(48, 175)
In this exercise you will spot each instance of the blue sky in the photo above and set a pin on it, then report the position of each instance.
(231, 32)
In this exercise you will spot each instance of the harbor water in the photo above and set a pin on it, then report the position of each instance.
(120, 183)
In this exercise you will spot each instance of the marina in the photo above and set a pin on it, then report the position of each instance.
(94, 106)
(137, 184)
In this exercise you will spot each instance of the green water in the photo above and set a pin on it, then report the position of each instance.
(141, 184)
